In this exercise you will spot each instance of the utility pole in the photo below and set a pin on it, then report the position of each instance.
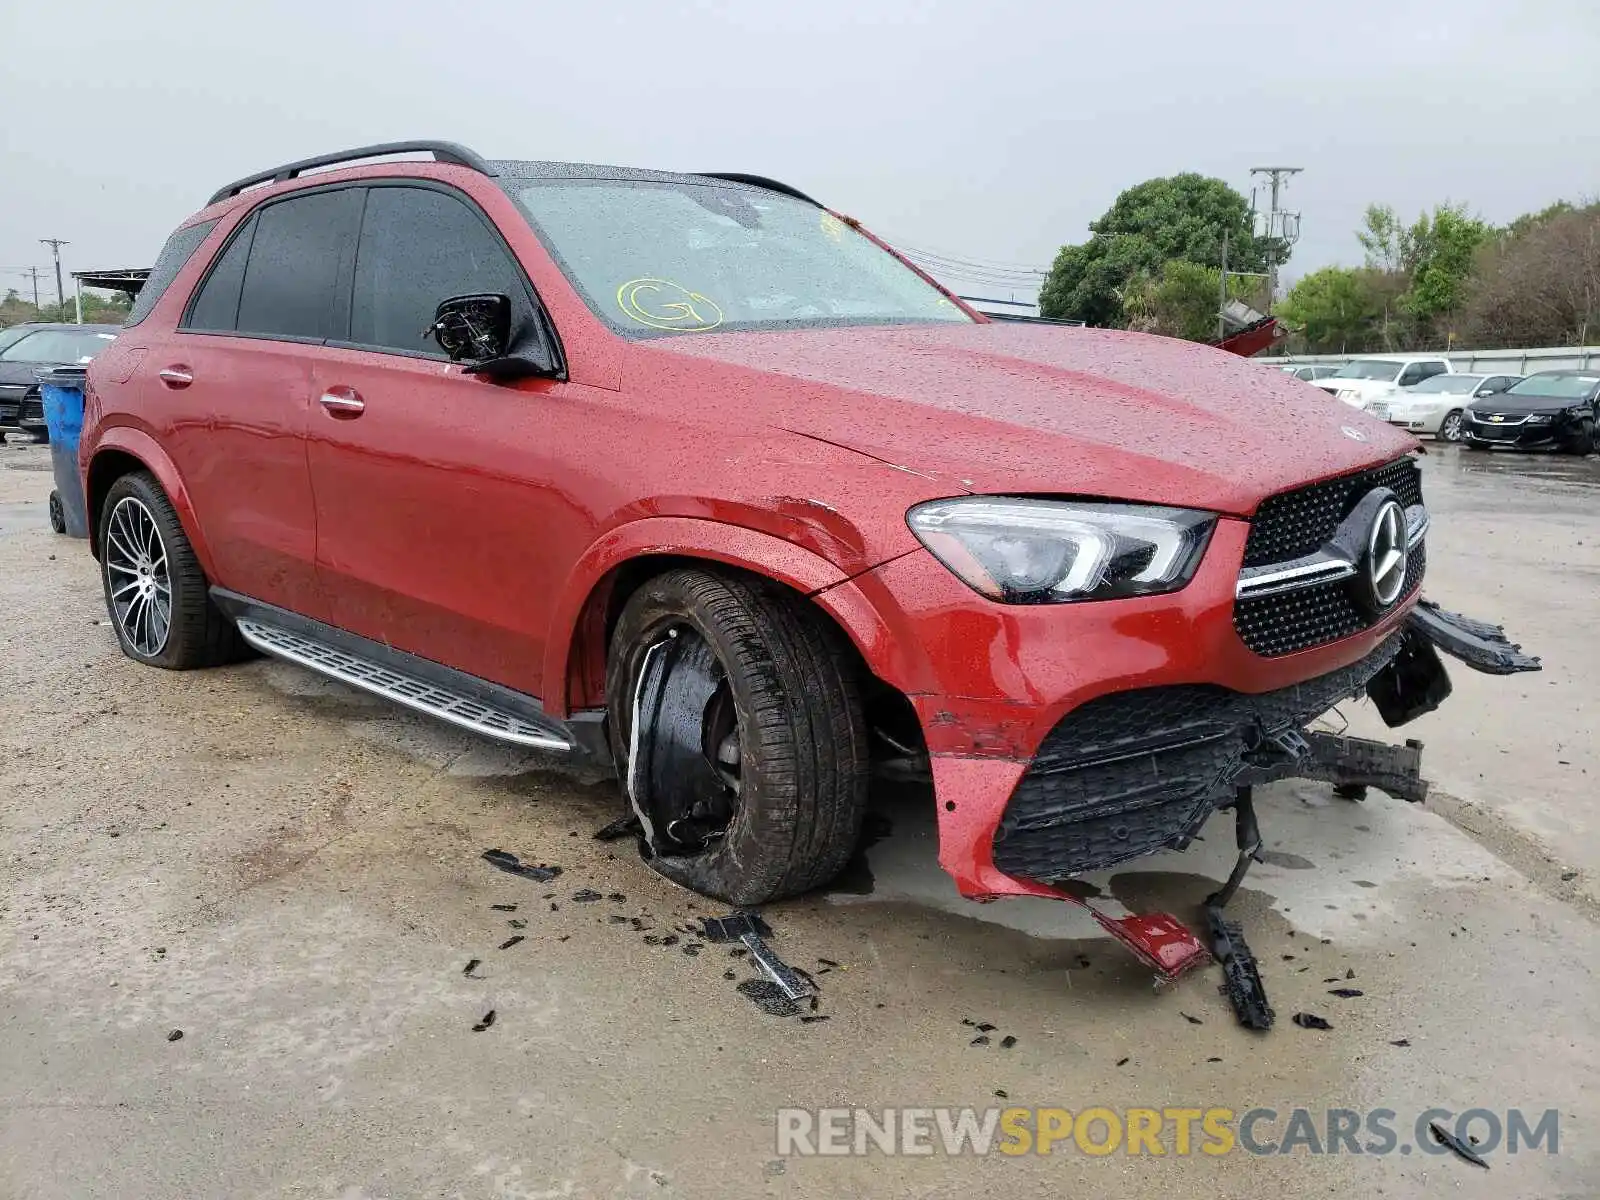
(55, 245)
(1280, 225)
(33, 274)
(1222, 291)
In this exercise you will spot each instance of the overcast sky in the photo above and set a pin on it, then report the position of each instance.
(987, 129)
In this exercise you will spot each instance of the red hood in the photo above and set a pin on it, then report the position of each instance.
(1011, 408)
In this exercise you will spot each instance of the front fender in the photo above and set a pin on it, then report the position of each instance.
(577, 627)
(106, 453)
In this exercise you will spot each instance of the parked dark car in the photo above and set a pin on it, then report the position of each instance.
(1553, 410)
(43, 347)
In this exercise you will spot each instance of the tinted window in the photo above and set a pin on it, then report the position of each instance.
(295, 261)
(1430, 369)
(169, 262)
(217, 304)
(419, 247)
(1556, 387)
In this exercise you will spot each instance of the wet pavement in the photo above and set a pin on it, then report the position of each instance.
(289, 873)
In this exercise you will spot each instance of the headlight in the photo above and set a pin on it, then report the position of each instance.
(1050, 551)
(1540, 419)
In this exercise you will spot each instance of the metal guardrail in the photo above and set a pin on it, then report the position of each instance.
(1482, 362)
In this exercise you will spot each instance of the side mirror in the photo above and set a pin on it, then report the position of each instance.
(472, 328)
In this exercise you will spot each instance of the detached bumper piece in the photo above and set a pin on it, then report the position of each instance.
(1482, 646)
(1135, 772)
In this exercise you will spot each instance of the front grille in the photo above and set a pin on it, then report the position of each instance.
(8, 413)
(1292, 524)
(1312, 616)
(1135, 772)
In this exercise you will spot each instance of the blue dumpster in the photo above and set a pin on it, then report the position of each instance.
(62, 391)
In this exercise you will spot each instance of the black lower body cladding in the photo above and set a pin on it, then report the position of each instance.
(1135, 772)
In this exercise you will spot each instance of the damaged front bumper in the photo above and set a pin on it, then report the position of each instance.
(1134, 772)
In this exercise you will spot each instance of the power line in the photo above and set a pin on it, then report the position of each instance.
(55, 245)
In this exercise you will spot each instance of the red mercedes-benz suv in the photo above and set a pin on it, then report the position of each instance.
(691, 474)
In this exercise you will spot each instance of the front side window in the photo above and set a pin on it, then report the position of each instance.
(58, 346)
(169, 262)
(653, 258)
(295, 259)
(418, 247)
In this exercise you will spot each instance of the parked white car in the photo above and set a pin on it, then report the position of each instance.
(1363, 380)
(1309, 371)
(1435, 405)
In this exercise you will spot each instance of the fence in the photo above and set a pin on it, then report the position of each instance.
(1483, 362)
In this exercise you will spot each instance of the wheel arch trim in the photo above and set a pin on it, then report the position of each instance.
(122, 442)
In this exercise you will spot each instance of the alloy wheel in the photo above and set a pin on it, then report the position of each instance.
(1450, 431)
(139, 585)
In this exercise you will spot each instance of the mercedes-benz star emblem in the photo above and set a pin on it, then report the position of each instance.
(1354, 434)
(1387, 555)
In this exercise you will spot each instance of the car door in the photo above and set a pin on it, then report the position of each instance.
(237, 383)
(443, 528)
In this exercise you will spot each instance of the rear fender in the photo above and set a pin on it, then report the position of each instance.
(105, 462)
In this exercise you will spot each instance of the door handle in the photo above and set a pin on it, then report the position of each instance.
(176, 376)
(342, 403)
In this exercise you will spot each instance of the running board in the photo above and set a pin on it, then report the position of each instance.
(403, 687)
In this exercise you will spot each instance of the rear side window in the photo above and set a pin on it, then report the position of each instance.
(183, 243)
(216, 306)
(418, 247)
(295, 259)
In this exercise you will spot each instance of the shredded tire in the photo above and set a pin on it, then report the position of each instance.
(803, 735)
(201, 635)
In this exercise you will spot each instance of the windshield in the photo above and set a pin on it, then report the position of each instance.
(1453, 384)
(58, 346)
(1368, 368)
(655, 258)
(1555, 387)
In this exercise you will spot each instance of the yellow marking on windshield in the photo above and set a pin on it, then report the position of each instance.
(663, 304)
(831, 226)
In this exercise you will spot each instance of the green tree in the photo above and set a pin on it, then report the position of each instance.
(1336, 310)
(1181, 301)
(1181, 218)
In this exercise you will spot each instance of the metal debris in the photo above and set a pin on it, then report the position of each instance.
(750, 930)
(1445, 1138)
(510, 863)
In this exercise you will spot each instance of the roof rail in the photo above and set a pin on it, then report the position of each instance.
(760, 181)
(445, 152)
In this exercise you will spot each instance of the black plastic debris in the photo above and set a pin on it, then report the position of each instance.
(1350, 974)
(616, 897)
(1007, 1042)
(1005, 1095)
(504, 907)
(586, 896)
(1346, 993)
(733, 928)
(738, 952)
(616, 919)
(472, 965)
(1401, 1042)
(768, 997)
(565, 937)
(1191, 1020)
(484, 1022)
(1445, 1138)
(670, 940)
(813, 1018)
(826, 962)
(981, 1040)
(175, 1036)
(1310, 1021)
(985, 1027)
(692, 949)
(1213, 1058)
(652, 939)
(1122, 1062)
(1241, 978)
(636, 922)
(622, 827)
(730, 975)
(554, 907)
(517, 923)
(968, 1021)
(512, 941)
(510, 863)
